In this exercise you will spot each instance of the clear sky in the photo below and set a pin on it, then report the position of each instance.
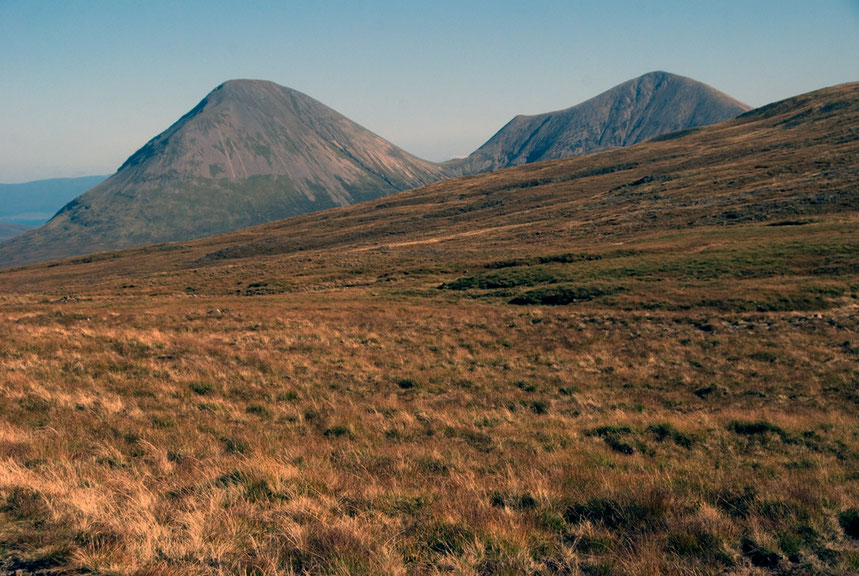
(84, 84)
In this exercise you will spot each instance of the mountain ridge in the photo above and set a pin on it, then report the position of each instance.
(690, 177)
(252, 151)
(653, 104)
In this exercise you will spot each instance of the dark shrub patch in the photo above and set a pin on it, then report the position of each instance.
(594, 544)
(32, 403)
(709, 391)
(430, 465)
(258, 410)
(738, 505)
(589, 569)
(763, 356)
(508, 264)
(256, 489)
(643, 515)
(539, 407)
(201, 388)
(619, 446)
(698, 543)
(445, 538)
(791, 544)
(559, 296)
(406, 383)
(25, 504)
(757, 428)
(789, 223)
(526, 502)
(509, 278)
(665, 431)
(262, 289)
(525, 386)
(759, 555)
(523, 502)
(567, 258)
(338, 431)
(611, 435)
(234, 446)
(603, 431)
(478, 440)
(849, 520)
(553, 258)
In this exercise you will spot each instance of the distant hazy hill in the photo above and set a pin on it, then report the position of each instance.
(33, 203)
(648, 106)
(250, 152)
(8, 230)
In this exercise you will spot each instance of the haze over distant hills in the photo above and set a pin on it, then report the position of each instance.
(250, 152)
(33, 203)
(8, 230)
(642, 108)
(253, 151)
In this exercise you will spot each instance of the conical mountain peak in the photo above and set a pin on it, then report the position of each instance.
(250, 152)
(644, 107)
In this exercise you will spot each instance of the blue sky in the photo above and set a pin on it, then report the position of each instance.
(84, 84)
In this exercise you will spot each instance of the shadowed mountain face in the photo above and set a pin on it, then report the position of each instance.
(648, 106)
(250, 152)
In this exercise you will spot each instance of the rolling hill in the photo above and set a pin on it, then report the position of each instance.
(249, 152)
(651, 105)
(34, 203)
(8, 230)
(642, 361)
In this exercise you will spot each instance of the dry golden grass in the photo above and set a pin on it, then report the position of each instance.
(351, 436)
(311, 398)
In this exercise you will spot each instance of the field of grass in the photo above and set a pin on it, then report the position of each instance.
(555, 369)
(345, 434)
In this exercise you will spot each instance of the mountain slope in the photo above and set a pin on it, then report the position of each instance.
(248, 153)
(8, 230)
(34, 203)
(791, 160)
(648, 106)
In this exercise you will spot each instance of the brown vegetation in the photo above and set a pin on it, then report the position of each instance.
(640, 362)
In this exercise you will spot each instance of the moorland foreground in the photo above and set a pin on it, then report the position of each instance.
(637, 362)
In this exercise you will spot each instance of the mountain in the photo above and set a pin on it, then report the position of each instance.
(250, 152)
(8, 230)
(651, 105)
(33, 203)
(780, 166)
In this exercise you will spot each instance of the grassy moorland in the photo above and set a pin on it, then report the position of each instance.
(635, 363)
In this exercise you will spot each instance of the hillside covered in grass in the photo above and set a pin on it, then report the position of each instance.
(638, 362)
